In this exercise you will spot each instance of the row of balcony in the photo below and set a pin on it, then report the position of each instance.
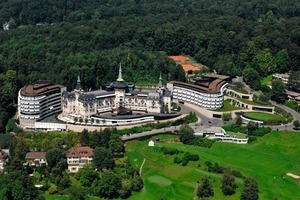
(193, 92)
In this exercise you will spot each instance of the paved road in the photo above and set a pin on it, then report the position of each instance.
(204, 120)
(157, 131)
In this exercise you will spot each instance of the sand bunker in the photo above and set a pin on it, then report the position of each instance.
(293, 175)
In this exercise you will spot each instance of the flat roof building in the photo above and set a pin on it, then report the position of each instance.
(207, 92)
(38, 101)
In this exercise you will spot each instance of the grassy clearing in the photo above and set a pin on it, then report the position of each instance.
(268, 160)
(264, 116)
(228, 107)
(267, 80)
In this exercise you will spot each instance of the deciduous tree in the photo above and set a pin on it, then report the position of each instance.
(205, 189)
(103, 158)
(250, 190)
(228, 183)
(278, 91)
(186, 134)
(56, 158)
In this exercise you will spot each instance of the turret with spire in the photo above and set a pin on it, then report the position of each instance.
(120, 79)
(78, 85)
(120, 90)
(160, 81)
(160, 87)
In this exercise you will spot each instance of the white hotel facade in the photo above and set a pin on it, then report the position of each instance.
(207, 92)
(36, 102)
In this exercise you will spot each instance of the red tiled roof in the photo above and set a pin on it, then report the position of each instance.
(36, 155)
(179, 58)
(189, 67)
(80, 151)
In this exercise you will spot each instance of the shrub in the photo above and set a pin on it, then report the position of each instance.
(263, 99)
(216, 168)
(237, 174)
(177, 160)
(208, 164)
(234, 128)
(226, 116)
(170, 151)
(52, 190)
(204, 142)
(261, 131)
(185, 161)
(45, 187)
(193, 157)
(251, 139)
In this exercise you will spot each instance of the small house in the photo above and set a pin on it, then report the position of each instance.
(77, 157)
(36, 158)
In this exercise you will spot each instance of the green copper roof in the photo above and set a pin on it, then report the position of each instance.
(160, 81)
(120, 79)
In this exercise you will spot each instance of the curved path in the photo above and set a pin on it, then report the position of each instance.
(141, 168)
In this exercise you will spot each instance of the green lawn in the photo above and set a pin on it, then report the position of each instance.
(267, 80)
(254, 103)
(264, 116)
(240, 90)
(237, 135)
(228, 107)
(268, 160)
(55, 197)
(293, 105)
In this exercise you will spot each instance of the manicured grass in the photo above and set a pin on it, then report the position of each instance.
(267, 80)
(268, 159)
(254, 103)
(264, 116)
(243, 91)
(237, 135)
(293, 105)
(228, 107)
(55, 197)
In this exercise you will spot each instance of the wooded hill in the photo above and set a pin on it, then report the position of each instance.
(59, 39)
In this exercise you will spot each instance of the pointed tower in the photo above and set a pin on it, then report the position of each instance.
(78, 85)
(120, 90)
(159, 86)
(120, 79)
(160, 81)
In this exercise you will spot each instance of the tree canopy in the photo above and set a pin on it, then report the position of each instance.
(250, 190)
(59, 39)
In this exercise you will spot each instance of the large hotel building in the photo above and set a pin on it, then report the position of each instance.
(207, 92)
(37, 102)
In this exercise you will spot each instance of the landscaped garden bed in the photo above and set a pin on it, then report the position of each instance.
(265, 117)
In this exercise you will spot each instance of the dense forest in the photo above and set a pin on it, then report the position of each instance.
(59, 39)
